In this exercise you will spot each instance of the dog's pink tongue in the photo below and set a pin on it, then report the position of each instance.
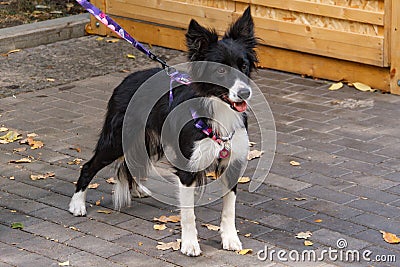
(240, 106)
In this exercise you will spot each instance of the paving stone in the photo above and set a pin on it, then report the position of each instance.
(287, 183)
(288, 224)
(53, 231)
(325, 147)
(101, 230)
(358, 145)
(132, 258)
(346, 227)
(369, 181)
(332, 209)
(375, 237)
(364, 167)
(377, 195)
(325, 181)
(90, 260)
(58, 216)
(140, 226)
(13, 236)
(316, 136)
(282, 207)
(330, 238)
(375, 207)
(327, 194)
(97, 246)
(8, 216)
(360, 155)
(377, 222)
(31, 259)
(314, 125)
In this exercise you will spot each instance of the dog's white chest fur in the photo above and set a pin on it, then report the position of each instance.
(225, 122)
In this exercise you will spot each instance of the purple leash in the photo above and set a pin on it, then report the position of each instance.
(179, 77)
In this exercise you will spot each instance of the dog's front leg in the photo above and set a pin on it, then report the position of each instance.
(190, 244)
(229, 236)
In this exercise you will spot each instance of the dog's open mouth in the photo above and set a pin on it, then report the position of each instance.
(239, 106)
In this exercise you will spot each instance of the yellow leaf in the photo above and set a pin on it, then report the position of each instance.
(73, 228)
(99, 39)
(13, 51)
(212, 175)
(159, 227)
(251, 143)
(174, 245)
(165, 219)
(336, 86)
(254, 154)
(243, 180)
(36, 144)
(104, 211)
(65, 263)
(284, 198)
(9, 137)
(300, 198)
(98, 203)
(244, 251)
(12, 178)
(140, 244)
(31, 135)
(50, 80)
(294, 163)
(211, 227)
(390, 238)
(23, 160)
(77, 149)
(111, 180)
(318, 220)
(3, 129)
(112, 40)
(76, 161)
(247, 235)
(130, 56)
(93, 186)
(308, 243)
(35, 177)
(304, 235)
(362, 87)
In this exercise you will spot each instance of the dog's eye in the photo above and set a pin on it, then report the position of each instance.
(221, 70)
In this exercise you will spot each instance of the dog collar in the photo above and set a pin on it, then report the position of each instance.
(224, 141)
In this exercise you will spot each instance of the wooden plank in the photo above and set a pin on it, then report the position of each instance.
(387, 33)
(395, 48)
(94, 26)
(323, 67)
(316, 46)
(166, 17)
(321, 9)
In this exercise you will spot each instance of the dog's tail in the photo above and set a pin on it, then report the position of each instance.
(122, 193)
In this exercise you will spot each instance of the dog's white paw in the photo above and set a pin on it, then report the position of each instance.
(231, 242)
(190, 248)
(139, 191)
(77, 205)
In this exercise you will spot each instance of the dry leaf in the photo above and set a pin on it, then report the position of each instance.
(247, 235)
(73, 228)
(174, 245)
(77, 149)
(3, 129)
(244, 251)
(390, 238)
(254, 154)
(36, 144)
(65, 263)
(212, 175)
(9, 137)
(111, 180)
(12, 178)
(76, 161)
(294, 163)
(159, 227)
(112, 40)
(130, 56)
(336, 86)
(19, 149)
(35, 177)
(99, 39)
(165, 219)
(308, 243)
(362, 87)
(23, 160)
(140, 244)
(318, 220)
(211, 227)
(50, 80)
(284, 198)
(300, 198)
(31, 135)
(104, 211)
(93, 186)
(98, 202)
(252, 143)
(243, 180)
(304, 235)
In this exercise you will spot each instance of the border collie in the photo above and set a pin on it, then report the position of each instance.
(226, 109)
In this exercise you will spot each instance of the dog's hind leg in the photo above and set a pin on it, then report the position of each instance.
(100, 159)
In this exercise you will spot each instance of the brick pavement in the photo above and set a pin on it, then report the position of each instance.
(347, 186)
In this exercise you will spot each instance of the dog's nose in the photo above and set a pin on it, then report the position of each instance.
(244, 93)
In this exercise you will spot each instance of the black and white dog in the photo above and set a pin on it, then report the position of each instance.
(226, 117)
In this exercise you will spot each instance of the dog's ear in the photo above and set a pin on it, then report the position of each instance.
(198, 39)
(243, 29)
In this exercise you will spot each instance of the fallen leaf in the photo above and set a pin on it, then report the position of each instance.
(247, 235)
(12, 178)
(304, 235)
(3, 129)
(212, 175)
(308, 243)
(31, 135)
(165, 219)
(104, 211)
(243, 180)
(13, 211)
(50, 80)
(73, 228)
(244, 251)
(115, 40)
(111, 180)
(174, 245)
(36, 144)
(65, 263)
(9, 137)
(252, 143)
(23, 160)
(390, 238)
(362, 87)
(336, 86)
(254, 154)
(19, 149)
(35, 177)
(76, 161)
(318, 220)
(211, 227)
(284, 198)
(159, 227)
(130, 56)
(294, 163)
(98, 202)
(77, 149)
(93, 186)
(300, 198)
(17, 225)
(99, 39)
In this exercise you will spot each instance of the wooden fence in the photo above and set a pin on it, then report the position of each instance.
(351, 40)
